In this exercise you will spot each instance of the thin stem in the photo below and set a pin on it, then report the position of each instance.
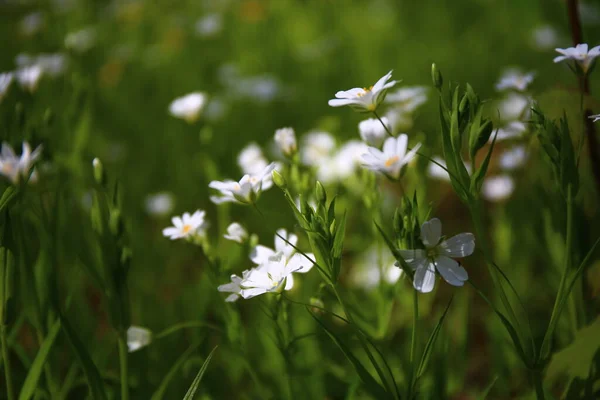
(10, 393)
(536, 376)
(413, 343)
(123, 367)
(389, 132)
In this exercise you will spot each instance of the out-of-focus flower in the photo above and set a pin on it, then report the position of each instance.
(580, 55)
(498, 188)
(285, 138)
(514, 79)
(246, 191)
(595, 118)
(159, 204)
(187, 226)
(343, 163)
(6, 79)
(82, 40)
(236, 233)
(251, 159)
(398, 120)
(233, 287)
(29, 77)
(393, 157)
(16, 168)
(188, 107)
(514, 106)
(261, 254)
(51, 64)
(209, 26)
(32, 23)
(512, 130)
(438, 255)
(513, 158)
(544, 37)
(365, 99)
(373, 132)
(408, 99)
(435, 171)
(316, 147)
(137, 338)
(374, 267)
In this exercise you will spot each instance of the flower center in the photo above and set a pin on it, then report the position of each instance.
(237, 187)
(186, 228)
(365, 91)
(391, 161)
(432, 253)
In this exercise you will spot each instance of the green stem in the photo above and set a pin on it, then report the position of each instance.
(10, 393)
(413, 343)
(123, 367)
(389, 132)
(536, 376)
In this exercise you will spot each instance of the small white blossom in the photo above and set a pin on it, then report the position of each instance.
(514, 79)
(580, 55)
(6, 79)
(498, 188)
(137, 338)
(373, 132)
(81, 40)
(545, 37)
(51, 64)
(393, 157)
(514, 107)
(438, 255)
(159, 204)
(513, 158)
(343, 163)
(233, 287)
(285, 138)
(29, 77)
(187, 226)
(316, 147)
(246, 191)
(512, 130)
(236, 233)
(595, 118)
(16, 168)
(251, 160)
(364, 100)
(261, 254)
(408, 99)
(209, 26)
(32, 23)
(374, 267)
(188, 107)
(435, 171)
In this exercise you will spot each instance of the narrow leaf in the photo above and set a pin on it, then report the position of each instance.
(160, 392)
(196, 383)
(431, 342)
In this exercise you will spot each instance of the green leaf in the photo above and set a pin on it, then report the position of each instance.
(431, 342)
(407, 270)
(9, 194)
(195, 384)
(479, 175)
(488, 389)
(33, 376)
(92, 375)
(162, 388)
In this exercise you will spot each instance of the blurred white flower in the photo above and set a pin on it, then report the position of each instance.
(512, 130)
(32, 23)
(365, 99)
(285, 138)
(438, 255)
(188, 107)
(262, 88)
(398, 120)
(393, 157)
(51, 64)
(374, 267)
(373, 132)
(233, 287)
(514, 106)
(236, 233)
(580, 55)
(545, 37)
(82, 40)
(343, 163)
(498, 188)
(595, 118)
(16, 168)
(159, 204)
(513, 158)
(261, 254)
(138, 337)
(434, 171)
(316, 147)
(209, 26)
(408, 99)
(29, 77)
(251, 159)
(246, 191)
(6, 79)
(187, 226)
(514, 79)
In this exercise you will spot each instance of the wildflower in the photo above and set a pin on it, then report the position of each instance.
(29, 77)
(6, 79)
(408, 99)
(32, 23)
(15, 168)
(393, 157)
(285, 138)
(595, 118)
(343, 163)
(246, 191)
(159, 204)
(373, 132)
(81, 40)
(50, 64)
(316, 147)
(366, 99)
(374, 267)
(209, 26)
(545, 37)
(188, 107)
(438, 255)
(512, 130)
(580, 55)
(137, 338)
(513, 158)
(251, 159)
(514, 106)
(187, 226)
(498, 188)
(236, 233)
(261, 254)
(233, 287)
(514, 79)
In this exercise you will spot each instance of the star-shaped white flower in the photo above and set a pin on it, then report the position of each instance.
(408, 99)
(246, 191)
(514, 79)
(187, 226)
(233, 287)
(29, 77)
(138, 337)
(580, 55)
(393, 157)
(373, 132)
(498, 188)
(438, 255)
(251, 159)
(364, 100)
(16, 168)
(316, 147)
(236, 233)
(188, 107)
(595, 118)
(285, 138)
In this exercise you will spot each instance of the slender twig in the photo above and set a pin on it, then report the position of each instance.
(389, 132)
(123, 367)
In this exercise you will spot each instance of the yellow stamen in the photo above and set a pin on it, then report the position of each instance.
(186, 228)
(391, 161)
(365, 91)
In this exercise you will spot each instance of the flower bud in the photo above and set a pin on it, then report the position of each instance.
(279, 180)
(436, 77)
(98, 171)
(285, 138)
(320, 193)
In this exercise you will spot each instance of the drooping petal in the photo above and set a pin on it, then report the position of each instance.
(261, 254)
(431, 232)
(299, 263)
(424, 279)
(451, 271)
(460, 245)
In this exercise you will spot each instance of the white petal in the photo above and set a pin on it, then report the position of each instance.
(261, 254)
(451, 271)
(460, 245)
(299, 263)
(414, 258)
(424, 280)
(431, 232)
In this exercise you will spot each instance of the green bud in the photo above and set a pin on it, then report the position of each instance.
(48, 117)
(481, 138)
(98, 171)
(279, 180)
(320, 193)
(398, 223)
(116, 223)
(464, 103)
(436, 77)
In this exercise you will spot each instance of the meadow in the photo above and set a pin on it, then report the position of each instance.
(299, 199)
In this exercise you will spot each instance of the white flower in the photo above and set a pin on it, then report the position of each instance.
(595, 118)
(437, 255)
(285, 138)
(434, 171)
(251, 160)
(373, 132)
(81, 40)
(316, 147)
(366, 100)
(188, 107)
(374, 267)
(408, 99)
(187, 226)
(514, 79)
(234, 287)
(512, 130)
(159, 204)
(6, 79)
(50, 64)
(393, 157)
(513, 158)
(236, 233)
(138, 337)
(343, 163)
(209, 26)
(15, 168)
(545, 37)
(261, 254)
(32, 23)
(514, 106)
(580, 55)
(498, 188)
(246, 191)
(29, 77)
